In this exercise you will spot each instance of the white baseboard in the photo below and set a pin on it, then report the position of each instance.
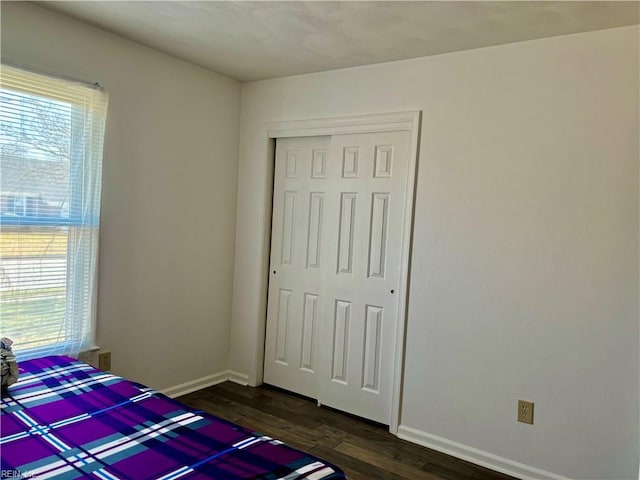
(473, 455)
(239, 378)
(197, 384)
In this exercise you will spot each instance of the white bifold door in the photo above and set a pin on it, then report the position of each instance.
(336, 246)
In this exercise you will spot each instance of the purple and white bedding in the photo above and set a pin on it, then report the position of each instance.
(65, 419)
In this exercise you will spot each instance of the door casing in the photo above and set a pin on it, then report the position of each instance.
(384, 122)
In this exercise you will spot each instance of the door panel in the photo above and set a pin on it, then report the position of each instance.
(372, 341)
(314, 240)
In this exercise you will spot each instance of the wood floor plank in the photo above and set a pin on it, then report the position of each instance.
(385, 463)
(249, 417)
(290, 407)
(451, 471)
(295, 438)
(406, 452)
(354, 467)
(364, 450)
(391, 450)
(222, 409)
(482, 473)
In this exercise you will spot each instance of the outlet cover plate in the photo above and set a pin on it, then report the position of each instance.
(104, 361)
(525, 412)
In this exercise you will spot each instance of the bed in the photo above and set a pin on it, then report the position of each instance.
(66, 419)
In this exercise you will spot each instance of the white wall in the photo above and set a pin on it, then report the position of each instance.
(525, 258)
(169, 190)
(525, 253)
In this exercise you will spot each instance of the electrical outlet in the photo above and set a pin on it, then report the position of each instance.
(104, 361)
(525, 412)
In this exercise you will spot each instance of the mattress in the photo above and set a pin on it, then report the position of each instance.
(66, 419)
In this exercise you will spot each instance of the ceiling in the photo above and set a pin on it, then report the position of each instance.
(249, 40)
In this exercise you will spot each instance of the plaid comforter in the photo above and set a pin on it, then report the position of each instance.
(65, 419)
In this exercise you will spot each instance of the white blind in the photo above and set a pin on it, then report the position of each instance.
(51, 140)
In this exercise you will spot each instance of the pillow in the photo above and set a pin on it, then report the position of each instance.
(8, 364)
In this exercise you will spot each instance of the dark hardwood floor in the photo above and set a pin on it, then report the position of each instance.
(365, 451)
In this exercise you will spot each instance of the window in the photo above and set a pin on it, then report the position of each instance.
(51, 138)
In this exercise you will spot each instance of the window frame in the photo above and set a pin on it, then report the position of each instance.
(78, 212)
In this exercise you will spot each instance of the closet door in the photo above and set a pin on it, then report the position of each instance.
(338, 214)
(357, 334)
(295, 302)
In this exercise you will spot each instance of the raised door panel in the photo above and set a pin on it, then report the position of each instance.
(346, 230)
(282, 327)
(340, 343)
(310, 317)
(288, 227)
(314, 236)
(378, 234)
(370, 378)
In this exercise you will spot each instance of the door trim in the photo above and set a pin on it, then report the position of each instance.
(385, 122)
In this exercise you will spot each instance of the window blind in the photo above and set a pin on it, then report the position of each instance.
(51, 142)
